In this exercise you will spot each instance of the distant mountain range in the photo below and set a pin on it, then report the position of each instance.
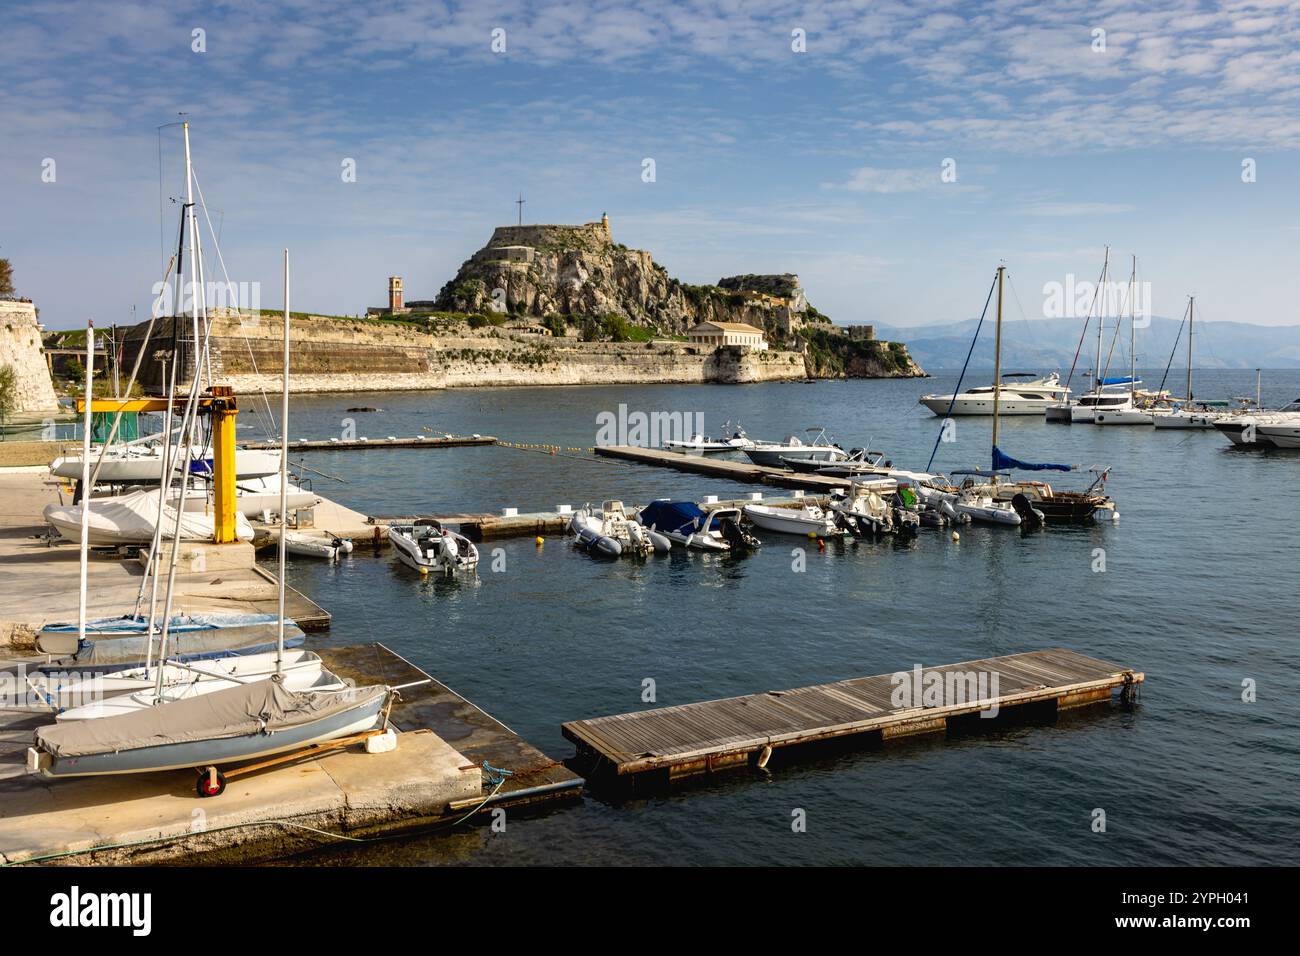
(1044, 345)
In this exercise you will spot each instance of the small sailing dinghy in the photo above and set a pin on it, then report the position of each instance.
(102, 695)
(687, 524)
(243, 722)
(194, 637)
(428, 546)
(131, 519)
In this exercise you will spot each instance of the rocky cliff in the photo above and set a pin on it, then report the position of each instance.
(334, 354)
(20, 350)
(567, 272)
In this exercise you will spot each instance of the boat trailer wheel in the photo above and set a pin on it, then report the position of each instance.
(211, 782)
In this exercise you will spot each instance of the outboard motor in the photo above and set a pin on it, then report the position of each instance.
(1030, 517)
(737, 537)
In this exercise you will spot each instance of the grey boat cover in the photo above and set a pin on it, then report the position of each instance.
(263, 706)
(181, 644)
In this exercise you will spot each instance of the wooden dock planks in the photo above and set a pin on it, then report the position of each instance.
(720, 468)
(692, 738)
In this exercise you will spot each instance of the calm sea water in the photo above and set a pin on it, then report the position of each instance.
(1199, 592)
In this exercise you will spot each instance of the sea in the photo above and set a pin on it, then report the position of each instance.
(1195, 586)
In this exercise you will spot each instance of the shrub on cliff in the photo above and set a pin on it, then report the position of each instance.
(8, 389)
(6, 278)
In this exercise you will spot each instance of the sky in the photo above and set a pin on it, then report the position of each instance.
(891, 154)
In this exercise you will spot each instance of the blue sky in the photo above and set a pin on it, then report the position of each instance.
(825, 162)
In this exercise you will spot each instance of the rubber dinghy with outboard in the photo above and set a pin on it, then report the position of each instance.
(611, 533)
(687, 524)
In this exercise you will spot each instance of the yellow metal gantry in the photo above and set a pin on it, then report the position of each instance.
(219, 402)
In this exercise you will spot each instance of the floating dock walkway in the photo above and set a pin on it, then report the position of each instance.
(674, 742)
(720, 468)
(352, 444)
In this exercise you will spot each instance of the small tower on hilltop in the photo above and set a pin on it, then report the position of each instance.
(395, 294)
(604, 221)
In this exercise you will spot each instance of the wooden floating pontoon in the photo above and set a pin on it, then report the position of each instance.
(721, 468)
(711, 735)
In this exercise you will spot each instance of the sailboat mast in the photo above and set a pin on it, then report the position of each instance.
(1191, 319)
(193, 236)
(85, 480)
(997, 360)
(1132, 334)
(1101, 320)
(284, 469)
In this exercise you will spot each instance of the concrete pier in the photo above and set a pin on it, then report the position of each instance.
(434, 778)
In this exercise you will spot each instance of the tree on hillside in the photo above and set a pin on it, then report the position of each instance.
(8, 389)
(6, 278)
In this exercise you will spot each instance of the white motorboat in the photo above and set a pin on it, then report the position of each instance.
(131, 519)
(866, 507)
(428, 546)
(611, 532)
(703, 445)
(142, 462)
(809, 520)
(1279, 429)
(777, 454)
(1031, 397)
(687, 524)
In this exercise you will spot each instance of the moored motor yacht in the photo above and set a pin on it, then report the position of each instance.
(1279, 429)
(1031, 397)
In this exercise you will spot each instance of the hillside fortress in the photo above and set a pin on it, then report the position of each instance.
(550, 305)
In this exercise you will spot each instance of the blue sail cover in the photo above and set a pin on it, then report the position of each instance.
(1119, 381)
(1001, 462)
(684, 516)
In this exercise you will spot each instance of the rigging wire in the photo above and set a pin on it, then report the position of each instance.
(268, 425)
(957, 391)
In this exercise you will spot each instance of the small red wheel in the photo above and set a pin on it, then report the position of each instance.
(211, 783)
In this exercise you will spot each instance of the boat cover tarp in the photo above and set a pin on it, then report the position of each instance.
(1125, 380)
(263, 706)
(685, 517)
(1002, 461)
(113, 652)
(130, 518)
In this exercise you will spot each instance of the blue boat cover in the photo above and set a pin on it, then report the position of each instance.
(1001, 461)
(1118, 381)
(682, 516)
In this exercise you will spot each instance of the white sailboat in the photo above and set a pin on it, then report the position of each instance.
(1130, 411)
(1187, 415)
(249, 720)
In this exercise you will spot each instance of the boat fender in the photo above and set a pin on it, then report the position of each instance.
(956, 536)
